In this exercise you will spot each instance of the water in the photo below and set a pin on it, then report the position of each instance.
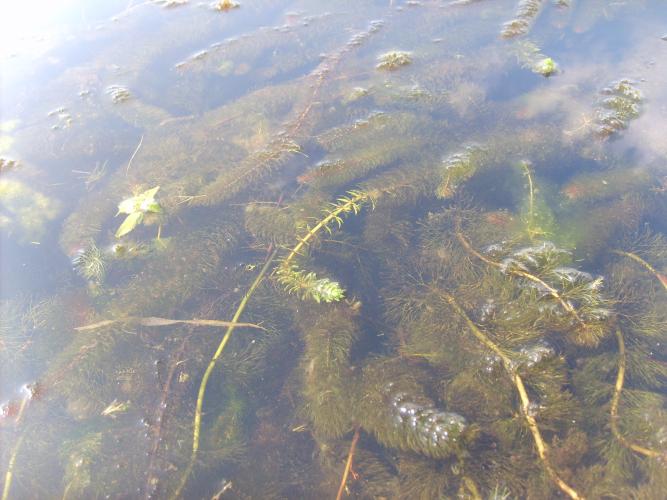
(441, 223)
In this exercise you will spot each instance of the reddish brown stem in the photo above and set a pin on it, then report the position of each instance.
(348, 464)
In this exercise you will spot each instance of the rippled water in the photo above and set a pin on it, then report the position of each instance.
(383, 249)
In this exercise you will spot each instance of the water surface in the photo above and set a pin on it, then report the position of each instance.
(441, 223)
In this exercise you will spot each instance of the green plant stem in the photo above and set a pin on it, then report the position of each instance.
(349, 205)
(196, 427)
(523, 396)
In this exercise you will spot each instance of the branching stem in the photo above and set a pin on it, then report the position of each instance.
(350, 204)
(531, 277)
(523, 396)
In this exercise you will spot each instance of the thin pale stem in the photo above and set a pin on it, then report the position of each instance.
(541, 446)
(615, 400)
(661, 277)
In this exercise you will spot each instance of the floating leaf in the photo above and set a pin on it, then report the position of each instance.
(130, 222)
(144, 202)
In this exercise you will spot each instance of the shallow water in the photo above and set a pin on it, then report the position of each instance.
(441, 223)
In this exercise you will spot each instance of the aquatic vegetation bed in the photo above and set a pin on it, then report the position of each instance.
(412, 304)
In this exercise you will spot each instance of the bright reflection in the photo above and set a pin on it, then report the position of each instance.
(29, 27)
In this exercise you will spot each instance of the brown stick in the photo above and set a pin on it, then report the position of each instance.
(155, 321)
(158, 419)
(348, 464)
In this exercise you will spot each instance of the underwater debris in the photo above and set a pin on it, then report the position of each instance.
(115, 408)
(589, 187)
(94, 176)
(524, 16)
(393, 60)
(618, 105)
(348, 464)
(170, 4)
(153, 321)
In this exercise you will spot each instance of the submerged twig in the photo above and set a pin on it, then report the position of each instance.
(615, 400)
(523, 396)
(348, 464)
(207, 374)
(151, 477)
(155, 321)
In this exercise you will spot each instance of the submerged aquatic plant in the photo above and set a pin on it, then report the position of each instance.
(530, 56)
(397, 411)
(526, 12)
(526, 405)
(478, 361)
(307, 284)
(619, 103)
(578, 304)
(136, 208)
(458, 168)
(7, 165)
(91, 263)
(394, 60)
